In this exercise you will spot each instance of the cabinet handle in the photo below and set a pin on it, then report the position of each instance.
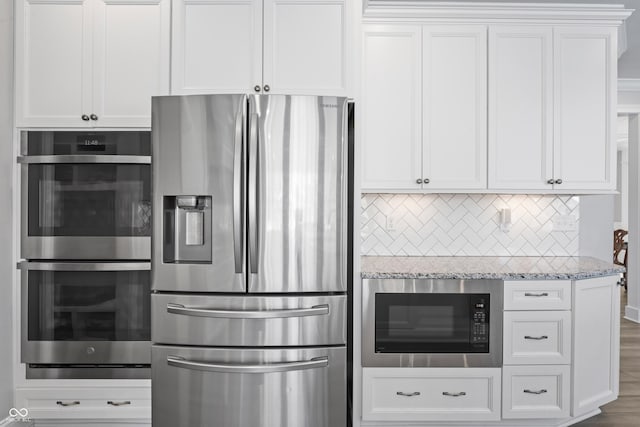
(402, 393)
(550, 181)
(256, 88)
(558, 181)
(446, 393)
(419, 181)
(267, 88)
(93, 117)
(542, 337)
(531, 294)
(72, 403)
(426, 180)
(123, 403)
(85, 117)
(534, 391)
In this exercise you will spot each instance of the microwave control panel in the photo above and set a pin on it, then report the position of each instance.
(479, 320)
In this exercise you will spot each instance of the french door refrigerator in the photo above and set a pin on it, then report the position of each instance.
(249, 263)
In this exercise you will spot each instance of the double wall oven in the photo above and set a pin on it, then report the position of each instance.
(432, 323)
(85, 245)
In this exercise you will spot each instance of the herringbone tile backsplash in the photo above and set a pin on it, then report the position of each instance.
(469, 225)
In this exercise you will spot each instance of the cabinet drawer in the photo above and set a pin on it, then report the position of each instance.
(107, 403)
(537, 295)
(539, 338)
(428, 394)
(535, 391)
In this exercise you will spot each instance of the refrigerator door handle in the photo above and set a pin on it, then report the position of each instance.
(253, 192)
(316, 362)
(237, 188)
(316, 310)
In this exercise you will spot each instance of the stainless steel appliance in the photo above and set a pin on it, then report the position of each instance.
(86, 319)
(86, 241)
(86, 195)
(420, 322)
(249, 302)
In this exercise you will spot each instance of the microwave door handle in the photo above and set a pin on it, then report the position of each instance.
(253, 192)
(84, 266)
(82, 158)
(237, 187)
(317, 362)
(316, 310)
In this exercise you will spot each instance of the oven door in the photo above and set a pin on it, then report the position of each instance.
(439, 323)
(86, 313)
(91, 205)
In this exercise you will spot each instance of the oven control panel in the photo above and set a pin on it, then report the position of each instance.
(479, 322)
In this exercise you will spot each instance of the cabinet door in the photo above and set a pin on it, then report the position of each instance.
(391, 108)
(216, 46)
(520, 109)
(585, 72)
(130, 60)
(454, 133)
(305, 47)
(596, 343)
(53, 62)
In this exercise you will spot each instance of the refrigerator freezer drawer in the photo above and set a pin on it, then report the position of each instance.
(248, 321)
(216, 387)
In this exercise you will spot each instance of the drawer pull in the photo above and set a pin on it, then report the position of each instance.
(446, 393)
(531, 294)
(541, 337)
(535, 391)
(123, 403)
(402, 393)
(72, 403)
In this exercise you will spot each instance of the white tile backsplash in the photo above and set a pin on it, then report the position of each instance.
(469, 225)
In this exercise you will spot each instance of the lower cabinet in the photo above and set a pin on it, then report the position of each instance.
(536, 391)
(83, 404)
(431, 394)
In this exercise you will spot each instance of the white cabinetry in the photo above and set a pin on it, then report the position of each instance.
(596, 343)
(536, 349)
(424, 107)
(552, 98)
(275, 46)
(431, 394)
(90, 63)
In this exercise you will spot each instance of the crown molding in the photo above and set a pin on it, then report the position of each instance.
(628, 85)
(607, 14)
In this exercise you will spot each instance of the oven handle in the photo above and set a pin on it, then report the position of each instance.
(316, 362)
(84, 266)
(81, 158)
(316, 310)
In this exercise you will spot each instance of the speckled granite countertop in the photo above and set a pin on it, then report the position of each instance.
(485, 267)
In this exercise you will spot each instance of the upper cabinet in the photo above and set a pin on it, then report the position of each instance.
(424, 107)
(526, 103)
(260, 46)
(552, 100)
(90, 63)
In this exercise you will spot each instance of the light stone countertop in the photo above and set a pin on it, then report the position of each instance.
(485, 267)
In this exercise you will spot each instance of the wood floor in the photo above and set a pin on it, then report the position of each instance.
(624, 412)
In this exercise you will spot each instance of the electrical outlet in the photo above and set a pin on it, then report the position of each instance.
(565, 223)
(391, 223)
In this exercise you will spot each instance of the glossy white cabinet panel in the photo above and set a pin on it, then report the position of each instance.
(536, 391)
(391, 103)
(596, 343)
(454, 99)
(520, 107)
(585, 70)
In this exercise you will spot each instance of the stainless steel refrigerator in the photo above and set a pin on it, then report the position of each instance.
(249, 263)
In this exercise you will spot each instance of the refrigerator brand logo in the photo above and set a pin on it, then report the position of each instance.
(330, 105)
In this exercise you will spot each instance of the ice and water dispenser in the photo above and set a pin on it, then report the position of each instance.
(187, 229)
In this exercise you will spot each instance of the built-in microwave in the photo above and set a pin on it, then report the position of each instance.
(432, 323)
(86, 195)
